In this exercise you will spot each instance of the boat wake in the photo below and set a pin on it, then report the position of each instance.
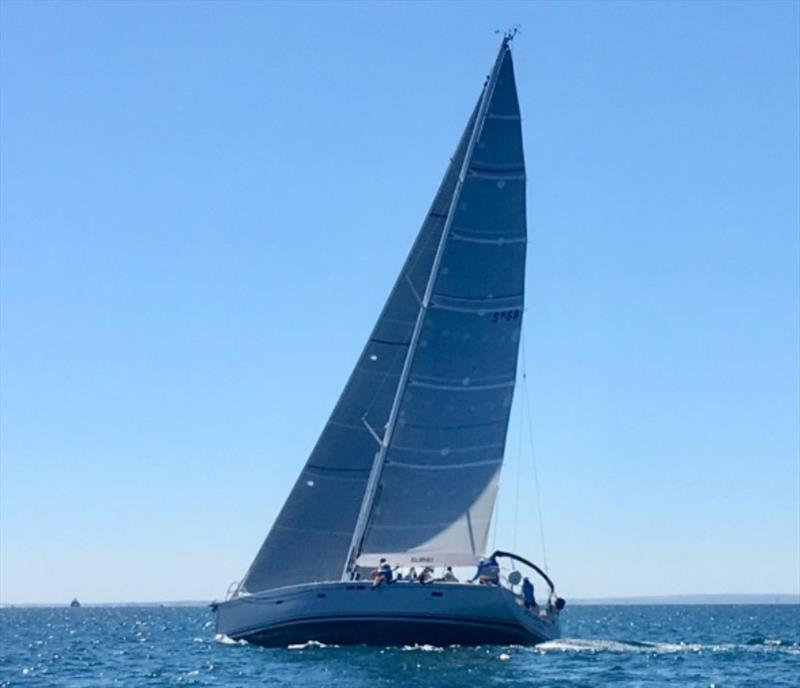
(581, 646)
(632, 646)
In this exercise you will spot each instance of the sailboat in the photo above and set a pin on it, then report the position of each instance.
(407, 467)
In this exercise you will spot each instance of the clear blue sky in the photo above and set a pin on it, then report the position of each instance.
(204, 206)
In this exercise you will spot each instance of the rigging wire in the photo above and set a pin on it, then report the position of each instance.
(496, 519)
(526, 402)
(519, 471)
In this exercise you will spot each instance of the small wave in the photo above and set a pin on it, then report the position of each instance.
(594, 646)
(422, 648)
(308, 645)
(223, 639)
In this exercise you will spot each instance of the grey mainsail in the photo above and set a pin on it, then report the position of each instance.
(441, 468)
(409, 461)
(310, 540)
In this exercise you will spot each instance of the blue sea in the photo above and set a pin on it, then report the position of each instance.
(723, 646)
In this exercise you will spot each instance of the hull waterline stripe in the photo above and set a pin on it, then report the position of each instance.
(433, 618)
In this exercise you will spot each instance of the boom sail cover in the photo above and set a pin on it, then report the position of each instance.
(447, 368)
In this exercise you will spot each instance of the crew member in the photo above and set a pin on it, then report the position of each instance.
(449, 576)
(383, 574)
(527, 594)
(488, 572)
(426, 575)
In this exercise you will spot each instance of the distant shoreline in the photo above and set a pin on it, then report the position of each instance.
(741, 599)
(643, 600)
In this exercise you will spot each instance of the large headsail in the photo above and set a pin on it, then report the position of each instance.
(311, 538)
(440, 468)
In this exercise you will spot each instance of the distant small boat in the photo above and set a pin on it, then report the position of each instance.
(74, 603)
(408, 466)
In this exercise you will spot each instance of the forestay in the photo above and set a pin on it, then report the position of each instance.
(311, 538)
(442, 465)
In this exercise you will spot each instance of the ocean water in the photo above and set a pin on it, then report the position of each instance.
(722, 646)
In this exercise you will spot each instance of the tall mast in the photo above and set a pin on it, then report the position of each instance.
(380, 458)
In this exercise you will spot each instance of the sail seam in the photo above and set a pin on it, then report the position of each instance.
(396, 320)
(381, 373)
(476, 311)
(488, 297)
(491, 232)
(346, 425)
(502, 241)
(490, 379)
(483, 167)
(389, 343)
(475, 173)
(405, 526)
(462, 387)
(338, 470)
(447, 451)
(453, 427)
(444, 467)
(312, 530)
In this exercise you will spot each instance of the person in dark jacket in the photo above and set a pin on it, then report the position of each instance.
(527, 594)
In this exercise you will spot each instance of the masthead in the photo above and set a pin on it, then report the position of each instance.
(508, 34)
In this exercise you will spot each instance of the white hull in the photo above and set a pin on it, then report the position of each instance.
(402, 613)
